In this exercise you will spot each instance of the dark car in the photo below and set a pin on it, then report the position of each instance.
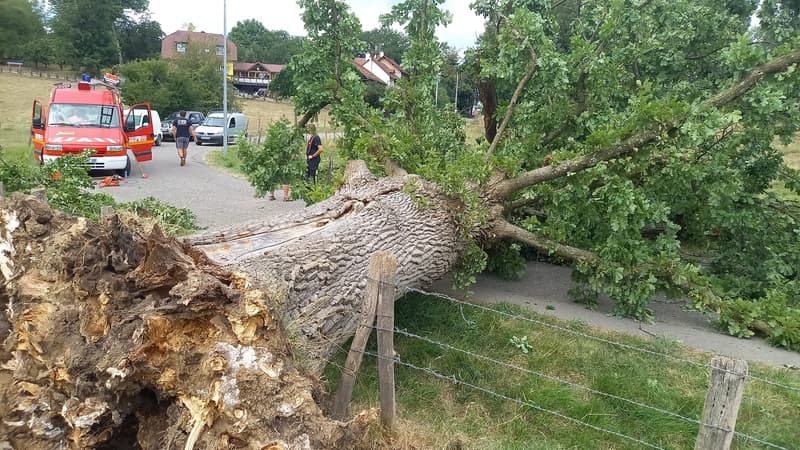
(196, 117)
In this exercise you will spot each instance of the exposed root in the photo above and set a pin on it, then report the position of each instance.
(121, 337)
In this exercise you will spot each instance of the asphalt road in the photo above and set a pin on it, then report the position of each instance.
(216, 198)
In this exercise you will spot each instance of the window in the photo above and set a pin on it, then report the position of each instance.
(180, 47)
(219, 50)
(233, 123)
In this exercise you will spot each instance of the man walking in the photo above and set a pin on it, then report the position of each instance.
(181, 131)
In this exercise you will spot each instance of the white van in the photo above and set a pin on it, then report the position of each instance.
(210, 131)
(158, 134)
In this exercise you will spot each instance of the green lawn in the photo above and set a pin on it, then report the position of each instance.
(791, 152)
(439, 414)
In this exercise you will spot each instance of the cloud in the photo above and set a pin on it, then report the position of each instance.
(206, 15)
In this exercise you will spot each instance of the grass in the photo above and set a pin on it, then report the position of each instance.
(791, 152)
(440, 414)
(262, 113)
(229, 163)
(16, 101)
(474, 130)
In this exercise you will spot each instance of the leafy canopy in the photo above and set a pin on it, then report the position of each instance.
(635, 139)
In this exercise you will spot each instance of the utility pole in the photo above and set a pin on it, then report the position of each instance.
(225, 76)
(436, 92)
(456, 96)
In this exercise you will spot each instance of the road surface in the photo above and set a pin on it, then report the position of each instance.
(216, 198)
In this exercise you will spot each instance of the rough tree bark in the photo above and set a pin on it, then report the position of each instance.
(322, 252)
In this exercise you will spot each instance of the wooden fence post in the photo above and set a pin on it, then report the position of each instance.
(385, 327)
(2, 190)
(722, 404)
(345, 390)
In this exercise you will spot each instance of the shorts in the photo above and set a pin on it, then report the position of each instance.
(182, 142)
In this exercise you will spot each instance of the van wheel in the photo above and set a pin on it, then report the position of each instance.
(124, 173)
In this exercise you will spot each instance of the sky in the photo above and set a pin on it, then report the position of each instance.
(207, 15)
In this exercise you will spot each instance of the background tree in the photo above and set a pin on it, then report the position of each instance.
(19, 24)
(87, 29)
(39, 50)
(384, 39)
(247, 35)
(139, 39)
(257, 44)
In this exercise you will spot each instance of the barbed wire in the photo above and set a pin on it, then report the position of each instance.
(455, 380)
(596, 338)
(577, 385)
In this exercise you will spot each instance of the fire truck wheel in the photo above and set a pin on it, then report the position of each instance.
(124, 173)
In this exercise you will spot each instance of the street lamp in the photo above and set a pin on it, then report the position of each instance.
(225, 76)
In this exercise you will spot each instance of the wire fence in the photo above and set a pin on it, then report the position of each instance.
(33, 72)
(589, 336)
(527, 403)
(569, 383)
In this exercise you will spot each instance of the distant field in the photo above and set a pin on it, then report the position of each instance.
(262, 113)
(791, 153)
(16, 100)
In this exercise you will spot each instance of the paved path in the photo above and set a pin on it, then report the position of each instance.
(544, 290)
(220, 199)
(215, 197)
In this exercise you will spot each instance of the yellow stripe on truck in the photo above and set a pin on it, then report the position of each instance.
(141, 143)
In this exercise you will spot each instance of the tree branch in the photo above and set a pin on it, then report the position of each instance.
(311, 113)
(634, 143)
(513, 103)
(504, 229)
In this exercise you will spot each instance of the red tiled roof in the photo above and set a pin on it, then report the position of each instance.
(389, 66)
(364, 72)
(252, 66)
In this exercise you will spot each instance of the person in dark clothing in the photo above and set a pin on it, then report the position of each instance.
(181, 131)
(313, 150)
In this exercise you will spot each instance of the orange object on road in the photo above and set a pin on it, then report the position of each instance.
(109, 181)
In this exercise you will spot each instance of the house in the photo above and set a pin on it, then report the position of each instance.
(250, 77)
(175, 44)
(379, 68)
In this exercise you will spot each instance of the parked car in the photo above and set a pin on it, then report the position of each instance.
(212, 128)
(195, 117)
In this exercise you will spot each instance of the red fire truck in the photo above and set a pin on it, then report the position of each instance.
(90, 118)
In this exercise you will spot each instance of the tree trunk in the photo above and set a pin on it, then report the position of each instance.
(320, 255)
(119, 336)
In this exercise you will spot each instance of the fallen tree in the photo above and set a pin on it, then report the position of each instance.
(118, 335)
